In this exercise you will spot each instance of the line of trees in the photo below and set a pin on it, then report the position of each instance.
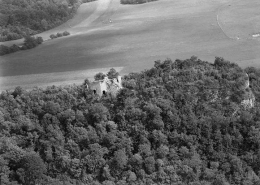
(171, 124)
(87, 1)
(135, 1)
(54, 36)
(29, 43)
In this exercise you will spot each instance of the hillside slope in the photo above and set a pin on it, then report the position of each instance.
(166, 126)
(137, 35)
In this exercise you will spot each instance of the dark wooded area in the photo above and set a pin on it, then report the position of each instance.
(181, 122)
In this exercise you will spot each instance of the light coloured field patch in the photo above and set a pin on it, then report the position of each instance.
(102, 6)
(165, 9)
(48, 79)
(256, 35)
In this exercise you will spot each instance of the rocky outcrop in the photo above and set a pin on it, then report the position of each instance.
(249, 98)
(248, 103)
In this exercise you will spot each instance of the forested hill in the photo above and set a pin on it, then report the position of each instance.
(19, 18)
(181, 122)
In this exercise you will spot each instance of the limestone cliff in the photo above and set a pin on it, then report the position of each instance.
(249, 98)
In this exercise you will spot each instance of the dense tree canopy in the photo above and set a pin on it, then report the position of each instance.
(29, 43)
(179, 122)
(19, 18)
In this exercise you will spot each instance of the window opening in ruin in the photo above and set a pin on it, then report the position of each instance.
(94, 91)
(104, 92)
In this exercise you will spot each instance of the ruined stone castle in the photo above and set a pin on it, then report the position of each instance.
(102, 87)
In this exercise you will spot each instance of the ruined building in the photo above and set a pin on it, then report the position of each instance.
(102, 87)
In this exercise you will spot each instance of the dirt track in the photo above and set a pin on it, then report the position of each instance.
(137, 36)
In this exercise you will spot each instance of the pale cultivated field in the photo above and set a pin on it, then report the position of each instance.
(240, 20)
(137, 36)
(49, 79)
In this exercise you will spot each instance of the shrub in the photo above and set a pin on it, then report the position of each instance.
(87, 1)
(65, 33)
(14, 48)
(135, 1)
(4, 50)
(52, 36)
(39, 40)
(59, 35)
(30, 42)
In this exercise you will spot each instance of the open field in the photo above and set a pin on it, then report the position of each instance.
(240, 20)
(137, 36)
(49, 79)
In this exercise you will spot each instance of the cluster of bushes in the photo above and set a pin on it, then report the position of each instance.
(171, 124)
(135, 1)
(87, 1)
(14, 32)
(28, 17)
(6, 50)
(54, 36)
(29, 43)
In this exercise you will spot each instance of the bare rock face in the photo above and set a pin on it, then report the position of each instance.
(249, 99)
(247, 83)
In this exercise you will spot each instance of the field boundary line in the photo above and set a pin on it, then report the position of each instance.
(218, 22)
